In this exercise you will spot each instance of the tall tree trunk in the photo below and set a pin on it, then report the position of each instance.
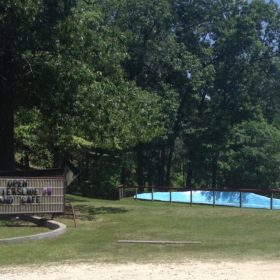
(214, 172)
(140, 166)
(58, 160)
(161, 167)
(176, 129)
(7, 161)
(169, 162)
(190, 170)
(122, 177)
(189, 176)
(6, 130)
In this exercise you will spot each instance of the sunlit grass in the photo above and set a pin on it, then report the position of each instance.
(225, 233)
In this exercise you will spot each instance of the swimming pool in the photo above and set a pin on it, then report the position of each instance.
(248, 200)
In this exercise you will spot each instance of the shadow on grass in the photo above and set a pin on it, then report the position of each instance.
(75, 199)
(89, 213)
(21, 226)
(11, 223)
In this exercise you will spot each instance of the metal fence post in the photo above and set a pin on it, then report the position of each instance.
(271, 200)
(240, 199)
(214, 200)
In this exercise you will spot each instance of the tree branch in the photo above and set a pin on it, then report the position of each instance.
(22, 57)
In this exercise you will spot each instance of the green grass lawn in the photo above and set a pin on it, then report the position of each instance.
(225, 233)
(15, 228)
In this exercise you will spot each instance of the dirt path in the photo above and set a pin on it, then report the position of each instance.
(193, 270)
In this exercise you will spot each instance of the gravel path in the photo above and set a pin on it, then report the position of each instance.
(193, 270)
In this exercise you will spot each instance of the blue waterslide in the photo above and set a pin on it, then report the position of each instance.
(249, 200)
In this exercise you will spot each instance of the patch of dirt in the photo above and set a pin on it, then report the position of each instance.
(190, 270)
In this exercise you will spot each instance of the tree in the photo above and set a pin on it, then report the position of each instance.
(26, 28)
(80, 99)
(252, 158)
(236, 41)
(153, 86)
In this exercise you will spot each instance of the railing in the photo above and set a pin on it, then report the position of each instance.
(123, 189)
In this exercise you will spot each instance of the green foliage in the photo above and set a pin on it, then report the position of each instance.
(137, 78)
(116, 117)
(79, 89)
(253, 157)
(30, 140)
(236, 41)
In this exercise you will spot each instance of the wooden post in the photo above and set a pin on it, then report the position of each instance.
(240, 198)
(214, 199)
(74, 215)
(136, 192)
